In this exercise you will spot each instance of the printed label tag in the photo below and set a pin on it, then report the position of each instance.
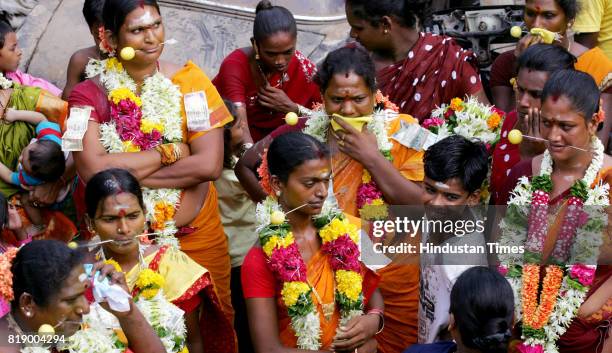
(196, 109)
(76, 126)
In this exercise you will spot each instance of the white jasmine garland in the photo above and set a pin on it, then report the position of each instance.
(585, 249)
(5, 83)
(161, 105)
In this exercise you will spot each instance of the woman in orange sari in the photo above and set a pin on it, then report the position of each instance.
(304, 286)
(164, 124)
(363, 177)
(571, 178)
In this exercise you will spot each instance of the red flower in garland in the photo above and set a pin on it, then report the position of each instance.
(288, 265)
(344, 254)
(366, 193)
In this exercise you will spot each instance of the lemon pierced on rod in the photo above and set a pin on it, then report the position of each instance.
(515, 137)
(277, 217)
(291, 118)
(127, 53)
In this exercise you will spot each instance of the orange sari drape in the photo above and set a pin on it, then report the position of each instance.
(204, 240)
(321, 277)
(596, 63)
(399, 284)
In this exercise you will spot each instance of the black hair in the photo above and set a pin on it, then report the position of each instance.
(107, 183)
(343, 61)
(578, 87)
(457, 157)
(92, 11)
(227, 134)
(482, 303)
(270, 20)
(47, 161)
(40, 269)
(546, 57)
(289, 151)
(115, 12)
(4, 212)
(408, 13)
(569, 7)
(5, 29)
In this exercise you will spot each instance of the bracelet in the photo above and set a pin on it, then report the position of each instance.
(381, 314)
(169, 153)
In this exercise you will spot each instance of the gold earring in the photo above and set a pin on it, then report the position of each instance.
(386, 31)
(278, 192)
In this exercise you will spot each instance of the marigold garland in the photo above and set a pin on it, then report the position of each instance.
(568, 277)
(339, 239)
(140, 123)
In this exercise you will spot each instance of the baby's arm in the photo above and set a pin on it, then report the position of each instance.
(27, 116)
(6, 174)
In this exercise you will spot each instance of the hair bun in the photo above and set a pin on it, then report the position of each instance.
(263, 5)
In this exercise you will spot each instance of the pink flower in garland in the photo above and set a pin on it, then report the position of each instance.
(367, 193)
(344, 254)
(525, 348)
(287, 264)
(128, 116)
(433, 122)
(503, 270)
(583, 274)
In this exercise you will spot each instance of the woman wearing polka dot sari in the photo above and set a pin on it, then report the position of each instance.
(418, 71)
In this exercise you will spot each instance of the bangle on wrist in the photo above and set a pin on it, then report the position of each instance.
(303, 111)
(381, 321)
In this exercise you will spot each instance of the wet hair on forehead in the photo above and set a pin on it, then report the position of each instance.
(289, 151)
(345, 61)
(41, 268)
(270, 20)
(107, 183)
(579, 88)
(115, 12)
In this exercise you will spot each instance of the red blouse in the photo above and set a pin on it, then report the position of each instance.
(235, 82)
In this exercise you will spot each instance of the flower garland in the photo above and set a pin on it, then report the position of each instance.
(567, 279)
(370, 200)
(470, 119)
(5, 83)
(140, 124)
(340, 239)
(166, 319)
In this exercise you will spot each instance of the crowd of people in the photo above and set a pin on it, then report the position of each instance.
(148, 208)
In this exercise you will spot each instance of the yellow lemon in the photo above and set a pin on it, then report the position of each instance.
(515, 137)
(127, 53)
(291, 118)
(46, 329)
(277, 217)
(73, 245)
(516, 31)
(547, 36)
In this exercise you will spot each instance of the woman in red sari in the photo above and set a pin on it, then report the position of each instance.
(418, 71)
(570, 101)
(270, 79)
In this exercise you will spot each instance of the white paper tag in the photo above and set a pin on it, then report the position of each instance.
(196, 109)
(76, 126)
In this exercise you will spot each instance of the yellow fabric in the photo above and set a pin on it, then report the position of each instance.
(595, 63)
(180, 272)
(596, 16)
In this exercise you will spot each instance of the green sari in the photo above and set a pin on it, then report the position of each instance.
(14, 137)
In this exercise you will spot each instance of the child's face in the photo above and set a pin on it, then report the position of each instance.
(24, 159)
(10, 54)
(448, 193)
